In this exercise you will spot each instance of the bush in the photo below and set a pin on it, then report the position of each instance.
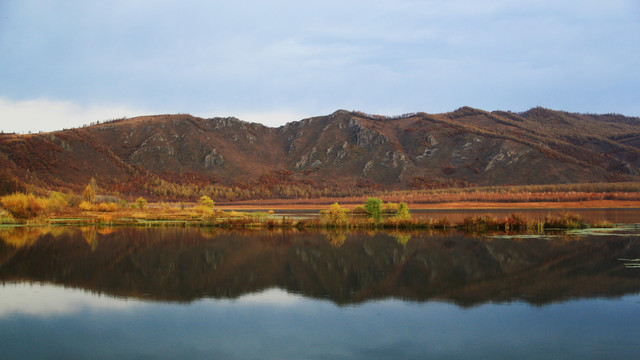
(85, 206)
(403, 211)
(107, 207)
(336, 215)
(141, 203)
(73, 200)
(57, 201)
(374, 208)
(391, 208)
(24, 206)
(203, 210)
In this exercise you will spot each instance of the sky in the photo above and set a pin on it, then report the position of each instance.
(68, 63)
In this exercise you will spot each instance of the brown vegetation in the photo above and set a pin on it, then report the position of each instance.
(181, 157)
(374, 214)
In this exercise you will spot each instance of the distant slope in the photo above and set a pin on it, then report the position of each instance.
(344, 149)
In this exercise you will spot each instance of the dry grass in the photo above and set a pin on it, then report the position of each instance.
(533, 196)
(319, 204)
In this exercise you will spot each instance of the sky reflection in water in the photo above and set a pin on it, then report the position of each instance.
(273, 324)
(183, 293)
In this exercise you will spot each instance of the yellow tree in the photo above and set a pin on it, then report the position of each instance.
(337, 215)
(206, 202)
(89, 194)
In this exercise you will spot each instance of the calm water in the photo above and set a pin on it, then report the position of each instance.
(616, 216)
(190, 293)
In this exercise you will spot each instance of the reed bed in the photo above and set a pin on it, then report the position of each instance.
(478, 223)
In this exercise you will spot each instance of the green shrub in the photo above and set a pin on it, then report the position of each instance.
(374, 208)
(403, 211)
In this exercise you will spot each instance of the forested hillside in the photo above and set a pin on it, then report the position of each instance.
(182, 156)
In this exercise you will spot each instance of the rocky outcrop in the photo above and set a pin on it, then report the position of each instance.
(365, 137)
(308, 160)
(213, 159)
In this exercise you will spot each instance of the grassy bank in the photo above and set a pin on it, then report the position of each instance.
(254, 220)
(374, 214)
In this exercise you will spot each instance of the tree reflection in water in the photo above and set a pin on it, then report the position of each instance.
(184, 264)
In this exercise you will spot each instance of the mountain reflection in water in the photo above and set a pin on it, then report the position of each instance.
(185, 264)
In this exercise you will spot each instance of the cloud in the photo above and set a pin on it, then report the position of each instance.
(270, 118)
(272, 296)
(315, 57)
(49, 115)
(28, 299)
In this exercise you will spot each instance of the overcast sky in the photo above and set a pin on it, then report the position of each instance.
(67, 63)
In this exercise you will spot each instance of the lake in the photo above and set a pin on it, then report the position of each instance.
(192, 293)
(616, 216)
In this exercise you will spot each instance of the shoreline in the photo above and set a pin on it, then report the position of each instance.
(461, 205)
(266, 215)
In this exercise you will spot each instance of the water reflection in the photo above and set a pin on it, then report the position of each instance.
(274, 324)
(618, 216)
(177, 264)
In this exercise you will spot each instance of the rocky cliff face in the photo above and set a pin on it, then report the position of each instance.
(344, 148)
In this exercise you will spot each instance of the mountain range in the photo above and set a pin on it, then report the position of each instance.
(346, 149)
